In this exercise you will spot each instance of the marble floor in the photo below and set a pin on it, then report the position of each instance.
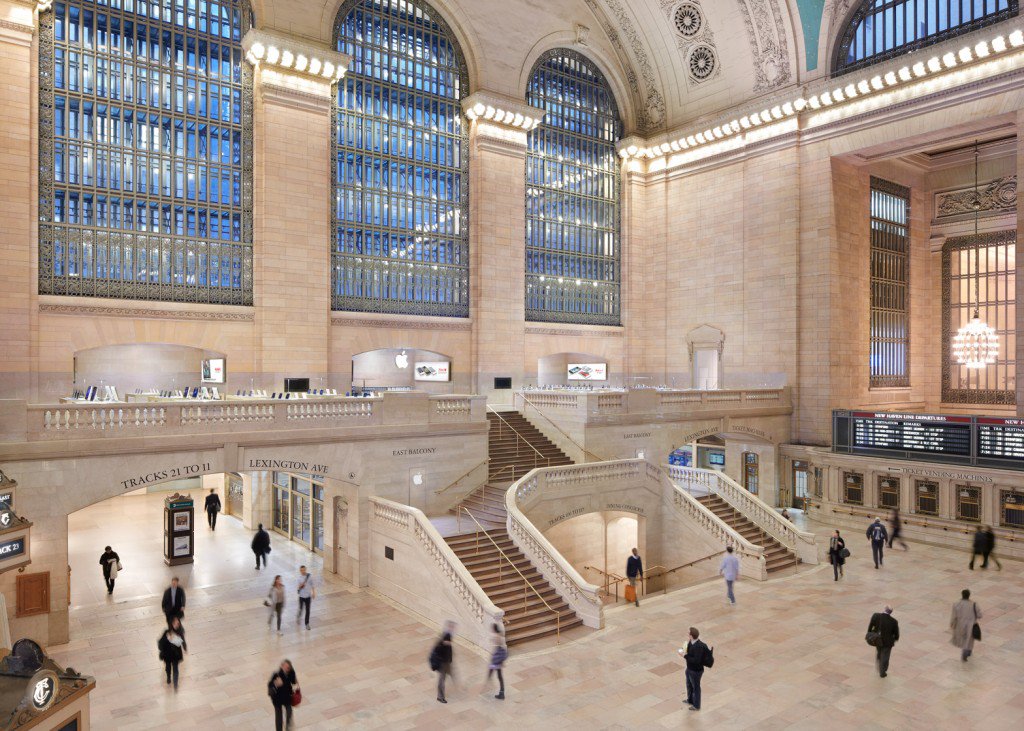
(791, 654)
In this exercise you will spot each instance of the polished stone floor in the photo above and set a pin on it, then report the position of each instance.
(790, 655)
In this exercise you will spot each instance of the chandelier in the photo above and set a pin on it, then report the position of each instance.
(976, 345)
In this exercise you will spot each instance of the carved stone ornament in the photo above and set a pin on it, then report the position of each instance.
(144, 313)
(996, 197)
(768, 45)
(694, 39)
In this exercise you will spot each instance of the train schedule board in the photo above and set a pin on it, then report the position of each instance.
(924, 433)
(1001, 438)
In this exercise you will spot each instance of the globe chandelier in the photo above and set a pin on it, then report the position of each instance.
(976, 345)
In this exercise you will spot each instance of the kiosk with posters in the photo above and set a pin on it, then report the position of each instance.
(179, 529)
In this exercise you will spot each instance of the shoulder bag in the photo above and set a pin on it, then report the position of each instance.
(874, 639)
(976, 629)
(296, 697)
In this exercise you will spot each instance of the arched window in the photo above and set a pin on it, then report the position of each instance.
(400, 165)
(145, 179)
(881, 29)
(572, 194)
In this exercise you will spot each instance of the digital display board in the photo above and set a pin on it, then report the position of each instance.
(1000, 438)
(913, 432)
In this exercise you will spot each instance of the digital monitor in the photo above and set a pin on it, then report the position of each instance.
(588, 371)
(431, 371)
(502, 382)
(296, 385)
(213, 370)
(716, 458)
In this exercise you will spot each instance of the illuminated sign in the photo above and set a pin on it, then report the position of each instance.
(588, 371)
(12, 548)
(213, 370)
(432, 371)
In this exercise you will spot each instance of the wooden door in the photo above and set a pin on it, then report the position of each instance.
(33, 594)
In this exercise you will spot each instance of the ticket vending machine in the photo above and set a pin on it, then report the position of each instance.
(179, 530)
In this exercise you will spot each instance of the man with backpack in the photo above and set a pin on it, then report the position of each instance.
(878, 535)
(698, 656)
(441, 659)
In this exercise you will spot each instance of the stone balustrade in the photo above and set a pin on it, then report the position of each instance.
(694, 480)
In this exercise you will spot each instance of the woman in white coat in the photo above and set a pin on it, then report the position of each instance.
(965, 614)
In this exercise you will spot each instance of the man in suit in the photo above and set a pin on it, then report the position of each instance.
(173, 602)
(697, 657)
(635, 572)
(878, 535)
(212, 506)
(889, 634)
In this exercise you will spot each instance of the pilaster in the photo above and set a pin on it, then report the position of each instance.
(1019, 375)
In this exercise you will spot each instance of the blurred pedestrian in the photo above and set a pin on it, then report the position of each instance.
(173, 602)
(984, 545)
(172, 648)
(888, 630)
(261, 546)
(212, 507)
(441, 658)
(634, 573)
(275, 600)
(284, 693)
(307, 593)
(897, 529)
(730, 571)
(878, 536)
(837, 554)
(498, 656)
(111, 564)
(962, 623)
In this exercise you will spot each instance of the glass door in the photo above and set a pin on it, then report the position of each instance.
(235, 496)
(750, 471)
(800, 482)
(281, 501)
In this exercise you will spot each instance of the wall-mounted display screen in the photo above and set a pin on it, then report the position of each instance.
(588, 371)
(716, 458)
(432, 371)
(214, 370)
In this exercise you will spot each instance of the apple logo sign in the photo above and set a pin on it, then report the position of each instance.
(402, 360)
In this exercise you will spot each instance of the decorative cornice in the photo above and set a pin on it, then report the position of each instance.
(575, 333)
(503, 110)
(15, 26)
(293, 56)
(457, 325)
(145, 313)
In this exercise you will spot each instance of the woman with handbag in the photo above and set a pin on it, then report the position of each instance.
(275, 600)
(837, 554)
(964, 624)
(284, 693)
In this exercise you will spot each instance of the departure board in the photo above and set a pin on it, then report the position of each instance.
(1000, 438)
(926, 433)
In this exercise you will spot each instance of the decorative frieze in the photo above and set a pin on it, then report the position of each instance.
(768, 44)
(996, 197)
(404, 324)
(145, 313)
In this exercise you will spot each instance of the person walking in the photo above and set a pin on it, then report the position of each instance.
(275, 600)
(878, 535)
(307, 592)
(962, 622)
(111, 564)
(888, 630)
(282, 689)
(730, 571)
(441, 658)
(836, 554)
(172, 650)
(261, 546)
(498, 656)
(212, 507)
(984, 544)
(173, 602)
(635, 572)
(897, 529)
(697, 656)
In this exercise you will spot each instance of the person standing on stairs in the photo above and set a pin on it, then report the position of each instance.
(634, 571)
(730, 571)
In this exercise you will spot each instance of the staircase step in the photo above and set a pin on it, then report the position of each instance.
(534, 631)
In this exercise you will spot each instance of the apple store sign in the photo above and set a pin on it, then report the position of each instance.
(432, 371)
(588, 371)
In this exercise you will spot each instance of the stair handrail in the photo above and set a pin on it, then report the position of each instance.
(802, 543)
(608, 580)
(464, 475)
(547, 460)
(563, 432)
(526, 582)
(665, 571)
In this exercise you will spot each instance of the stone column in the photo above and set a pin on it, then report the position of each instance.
(18, 91)
(497, 237)
(292, 198)
(257, 500)
(1020, 279)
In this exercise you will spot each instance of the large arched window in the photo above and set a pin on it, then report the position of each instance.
(400, 167)
(572, 194)
(145, 180)
(881, 29)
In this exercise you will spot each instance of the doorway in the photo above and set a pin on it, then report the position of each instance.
(235, 495)
(801, 480)
(299, 509)
(750, 472)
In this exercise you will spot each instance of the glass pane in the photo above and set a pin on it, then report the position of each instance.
(318, 526)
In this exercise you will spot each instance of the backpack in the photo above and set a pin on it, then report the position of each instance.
(435, 658)
(709, 657)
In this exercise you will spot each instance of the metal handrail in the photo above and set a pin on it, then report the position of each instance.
(666, 571)
(520, 436)
(462, 476)
(526, 582)
(607, 583)
(597, 458)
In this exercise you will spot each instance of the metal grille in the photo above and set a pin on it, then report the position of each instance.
(996, 383)
(927, 497)
(968, 503)
(888, 492)
(1011, 513)
(572, 194)
(145, 164)
(881, 29)
(853, 488)
(400, 165)
(890, 279)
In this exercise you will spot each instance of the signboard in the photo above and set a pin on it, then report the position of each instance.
(912, 433)
(588, 371)
(213, 370)
(1000, 438)
(11, 548)
(432, 371)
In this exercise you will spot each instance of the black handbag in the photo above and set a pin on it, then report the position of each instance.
(873, 638)
(845, 553)
(976, 629)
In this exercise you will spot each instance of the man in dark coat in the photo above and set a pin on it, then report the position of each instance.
(697, 656)
(261, 546)
(878, 535)
(889, 634)
(173, 602)
(984, 543)
(109, 561)
(212, 506)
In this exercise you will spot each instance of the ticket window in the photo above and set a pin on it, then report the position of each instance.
(926, 496)
(853, 488)
(889, 493)
(1011, 509)
(750, 471)
(968, 503)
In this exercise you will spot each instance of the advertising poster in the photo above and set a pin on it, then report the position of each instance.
(432, 371)
(213, 370)
(181, 522)
(588, 371)
(182, 544)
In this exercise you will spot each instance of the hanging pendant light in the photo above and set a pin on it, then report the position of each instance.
(976, 345)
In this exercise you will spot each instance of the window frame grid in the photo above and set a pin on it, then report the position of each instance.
(1016, 499)
(1004, 321)
(568, 277)
(856, 484)
(888, 10)
(888, 486)
(963, 501)
(390, 283)
(930, 494)
(146, 264)
(889, 264)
